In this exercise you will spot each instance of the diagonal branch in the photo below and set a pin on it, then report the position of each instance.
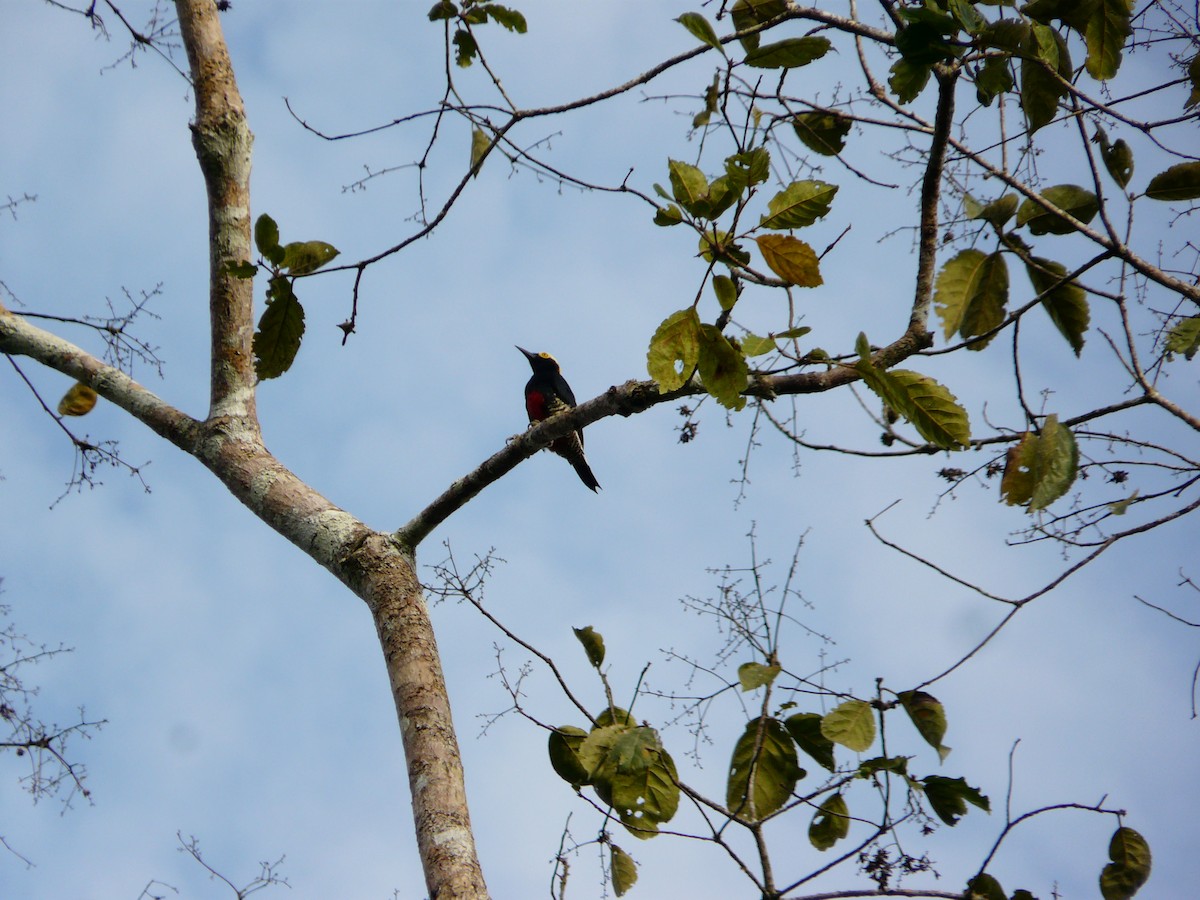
(19, 338)
(631, 397)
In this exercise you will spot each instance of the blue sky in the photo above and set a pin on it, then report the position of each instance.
(246, 701)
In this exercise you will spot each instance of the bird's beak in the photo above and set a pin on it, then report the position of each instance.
(529, 356)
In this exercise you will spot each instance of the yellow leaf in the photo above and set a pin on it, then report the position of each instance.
(78, 401)
(791, 259)
(480, 145)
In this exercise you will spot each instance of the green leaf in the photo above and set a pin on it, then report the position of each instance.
(753, 345)
(763, 771)
(1005, 34)
(722, 194)
(895, 764)
(674, 350)
(993, 78)
(668, 215)
(712, 96)
(1105, 35)
(929, 717)
(688, 185)
(266, 238)
(931, 409)
(790, 53)
(1119, 162)
(443, 9)
(799, 204)
(971, 293)
(277, 339)
(968, 16)
(1070, 198)
(927, 405)
(614, 715)
(1118, 158)
(480, 145)
(851, 724)
(999, 211)
(984, 887)
(465, 48)
(930, 14)
(1066, 304)
(701, 29)
(908, 79)
(1180, 182)
(748, 13)
(633, 774)
(593, 644)
(241, 268)
(792, 333)
(1120, 507)
(506, 17)
(564, 745)
(924, 43)
(805, 729)
(303, 257)
(749, 167)
(791, 259)
(753, 675)
(623, 870)
(722, 368)
(718, 246)
(1184, 337)
(1041, 468)
(1045, 52)
(726, 291)
(1073, 12)
(949, 797)
(1130, 866)
(822, 132)
(830, 824)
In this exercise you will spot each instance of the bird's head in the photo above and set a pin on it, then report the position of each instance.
(540, 362)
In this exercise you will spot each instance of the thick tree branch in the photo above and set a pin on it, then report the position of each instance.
(19, 338)
(232, 448)
(631, 397)
(223, 140)
(364, 560)
(931, 192)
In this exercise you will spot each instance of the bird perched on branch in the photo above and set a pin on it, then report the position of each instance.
(548, 393)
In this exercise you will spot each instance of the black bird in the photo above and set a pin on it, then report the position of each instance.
(548, 393)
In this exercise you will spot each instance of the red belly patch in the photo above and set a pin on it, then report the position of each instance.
(535, 405)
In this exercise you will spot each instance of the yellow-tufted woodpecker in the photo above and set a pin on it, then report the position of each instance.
(548, 393)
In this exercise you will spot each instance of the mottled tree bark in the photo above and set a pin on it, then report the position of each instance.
(229, 443)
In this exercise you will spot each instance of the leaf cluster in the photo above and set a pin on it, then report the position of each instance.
(1120, 879)
(281, 326)
(683, 346)
(470, 14)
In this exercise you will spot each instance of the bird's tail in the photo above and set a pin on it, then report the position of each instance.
(570, 448)
(579, 463)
